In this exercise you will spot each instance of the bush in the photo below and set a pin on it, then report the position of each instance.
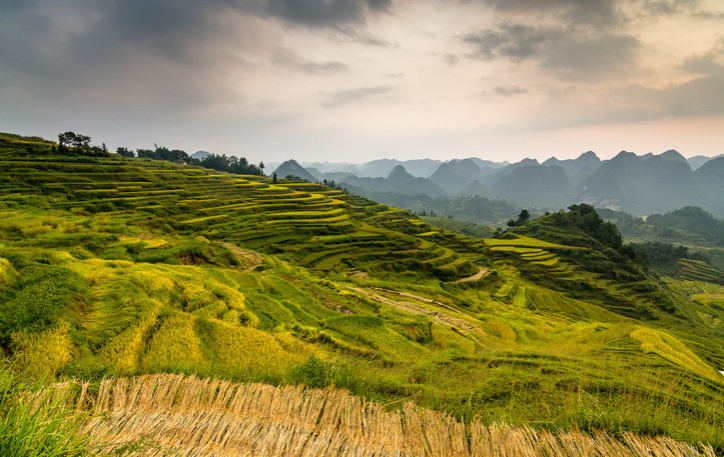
(315, 372)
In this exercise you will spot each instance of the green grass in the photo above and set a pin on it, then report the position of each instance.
(555, 336)
(47, 429)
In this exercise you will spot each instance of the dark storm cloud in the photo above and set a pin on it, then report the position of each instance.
(78, 33)
(353, 95)
(594, 12)
(160, 51)
(78, 36)
(514, 41)
(82, 55)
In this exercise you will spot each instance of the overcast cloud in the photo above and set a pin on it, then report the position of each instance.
(357, 80)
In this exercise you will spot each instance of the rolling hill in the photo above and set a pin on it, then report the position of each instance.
(111, 266)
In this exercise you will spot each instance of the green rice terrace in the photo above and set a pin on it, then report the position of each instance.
(113, 268)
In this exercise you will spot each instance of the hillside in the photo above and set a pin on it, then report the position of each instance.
(120, 266)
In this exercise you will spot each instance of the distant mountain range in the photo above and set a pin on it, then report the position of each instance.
(640, 185)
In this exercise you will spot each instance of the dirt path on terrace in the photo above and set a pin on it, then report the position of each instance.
(456, 324)
(250, 260)
(483, 272)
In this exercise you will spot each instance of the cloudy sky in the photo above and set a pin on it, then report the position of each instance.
(355, 80)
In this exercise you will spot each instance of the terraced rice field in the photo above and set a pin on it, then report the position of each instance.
(306, 222)
(532, 250)
(696, 270)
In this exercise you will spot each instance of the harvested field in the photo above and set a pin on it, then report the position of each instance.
(187, 416)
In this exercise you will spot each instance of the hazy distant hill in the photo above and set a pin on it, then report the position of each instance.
(488, 167)
(332, 167)
(399, 180)
(697, 161)
(505, 171)
(200, 155)
(329, 176)
(421, 167)
(672, 155)
(579, 168)
(537, 186)
(711, 179)
(454, 175)
(641, 185)
(291, 167)
(383, 167)
(638, 184)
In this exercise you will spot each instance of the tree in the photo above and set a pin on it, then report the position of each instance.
(74, 140)
(146, 154)
(125, 152)
(523, 217)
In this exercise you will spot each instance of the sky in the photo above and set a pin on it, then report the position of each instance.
(357, 80)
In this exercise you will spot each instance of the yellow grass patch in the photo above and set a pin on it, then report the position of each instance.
(248, 351)
(673, 350)
(6, 271)
(122, 351)
(708, 296)
(175, 346)
(41, 354)
(155, 243)
(549, 263)
(527, 241)
(506, 332)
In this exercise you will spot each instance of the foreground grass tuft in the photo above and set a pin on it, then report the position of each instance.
(43, 427)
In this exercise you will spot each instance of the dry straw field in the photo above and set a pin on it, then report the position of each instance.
(187, 416)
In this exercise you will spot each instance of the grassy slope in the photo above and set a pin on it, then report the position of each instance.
(117, 265)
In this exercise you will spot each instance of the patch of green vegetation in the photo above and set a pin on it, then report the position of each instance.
(118, 265)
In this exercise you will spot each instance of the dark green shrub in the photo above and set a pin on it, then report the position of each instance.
(315, 372)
